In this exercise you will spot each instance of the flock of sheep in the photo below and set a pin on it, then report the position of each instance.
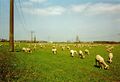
(98, 59)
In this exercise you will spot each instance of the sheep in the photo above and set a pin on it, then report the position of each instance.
(110, 57)
(34, 47)
(54, 50)
(73, 52)
(41, 46)
(87, 51)
(53, 46)
(110, 49)
(101, 62)
(81, 54)
(26, 50)
(68, 47)
(63, 48)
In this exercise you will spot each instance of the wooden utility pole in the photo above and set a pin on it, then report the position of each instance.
(11, 33)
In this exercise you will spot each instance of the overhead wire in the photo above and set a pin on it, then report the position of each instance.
(21, 16)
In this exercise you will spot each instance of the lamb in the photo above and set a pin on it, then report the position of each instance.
(110, 57)
(101, 62)
(81, 54)
(87, 51)
(73, 52)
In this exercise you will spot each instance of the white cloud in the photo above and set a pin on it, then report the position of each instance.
(38, 1)
(54, 10)
(27, 4)
(79, 8)
(30, 3)
(98, 8)
(87, 9)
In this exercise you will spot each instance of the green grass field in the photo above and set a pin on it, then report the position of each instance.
(43, 66)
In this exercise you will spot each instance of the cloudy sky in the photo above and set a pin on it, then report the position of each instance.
(61, 20)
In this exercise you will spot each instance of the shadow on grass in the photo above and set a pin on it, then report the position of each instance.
(96, 66)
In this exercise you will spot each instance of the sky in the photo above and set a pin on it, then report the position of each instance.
(62, 20)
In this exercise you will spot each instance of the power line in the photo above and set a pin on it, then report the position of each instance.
(3, 17)
(21, 17)
(22, 12)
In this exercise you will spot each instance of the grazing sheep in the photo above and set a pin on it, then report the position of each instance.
(87, 51)
(68, 47)
(101, 62)
(110, 49)
(73, 52)
(63, 48)
(28, 50)
(81, 54)
(41, 46)
(24, 49)
(110, 57)
(53, 46)
(54, 50)
(34, 48)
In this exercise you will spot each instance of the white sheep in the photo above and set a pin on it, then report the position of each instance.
(110, 57)
(27, 50)
(24, 49)
(68, 47)
(73, 52)
(110, 49)
(87, 51)
(81, 54)
(63, 48)
(54, 50)
(101, 62)
(35, 46)
(41, 46)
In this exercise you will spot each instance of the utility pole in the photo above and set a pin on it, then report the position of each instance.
(34, 38)
(77, 39)
(11, 33)
(32, 32)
